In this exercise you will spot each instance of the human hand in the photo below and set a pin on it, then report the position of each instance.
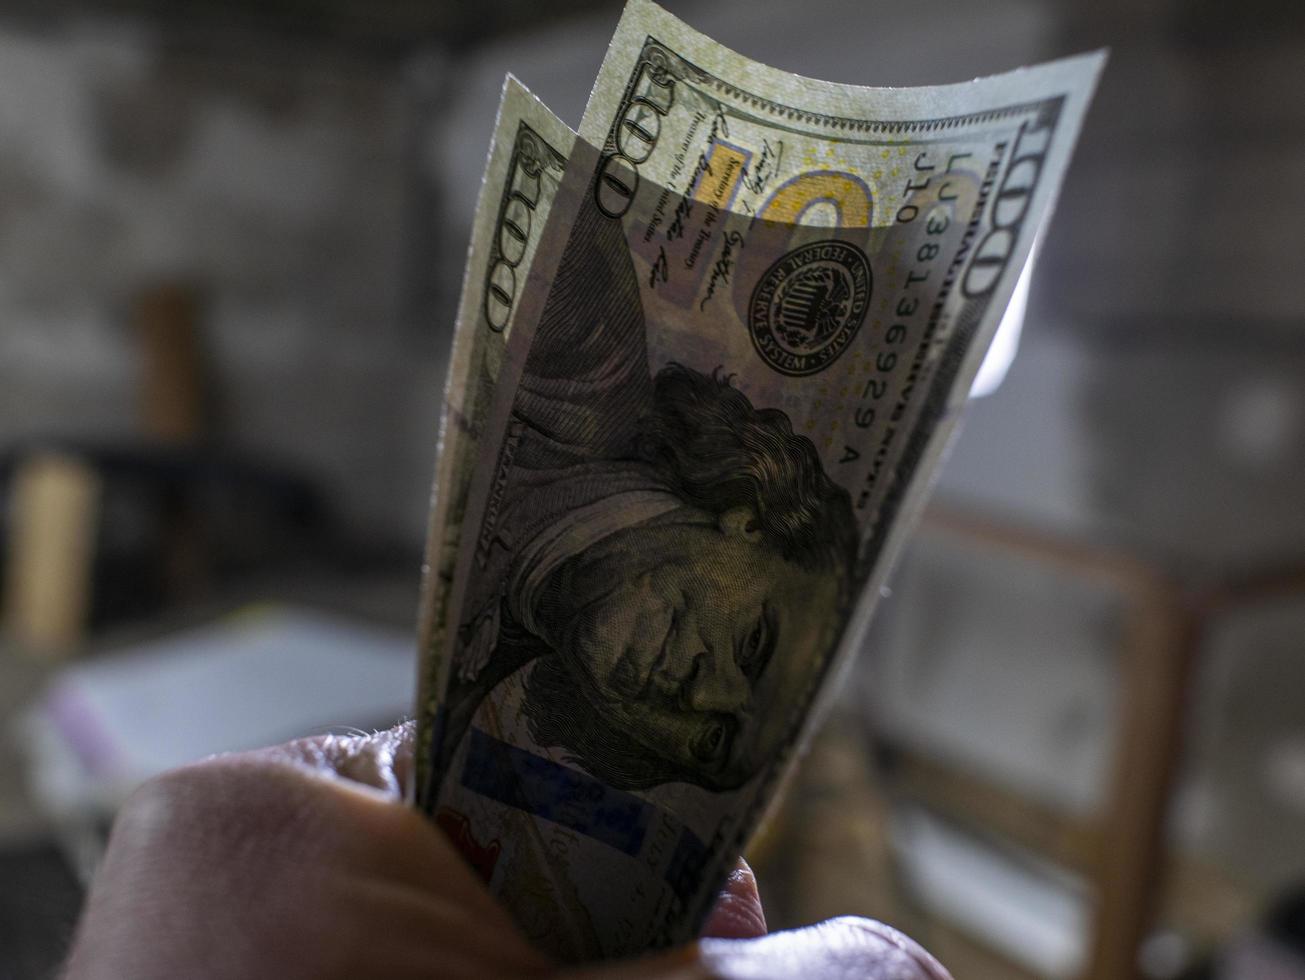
(302, 861)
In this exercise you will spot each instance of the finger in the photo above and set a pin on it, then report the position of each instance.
(432, 929)
(833, 950)
(738, 913)
(282, 821)
(843, 947)
(340, 800)
(381, 761)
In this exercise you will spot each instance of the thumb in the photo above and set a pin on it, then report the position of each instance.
(738, 913)
(833, 950)
(837, 948)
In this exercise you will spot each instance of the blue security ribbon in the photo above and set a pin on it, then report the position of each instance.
(539, 786)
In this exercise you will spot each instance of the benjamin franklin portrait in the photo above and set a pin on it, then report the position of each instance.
(661, 556)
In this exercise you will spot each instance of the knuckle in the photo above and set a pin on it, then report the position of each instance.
(214, 800)
(161, 802)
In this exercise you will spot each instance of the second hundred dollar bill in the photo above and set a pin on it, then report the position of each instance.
(756, 307)
(527, 159)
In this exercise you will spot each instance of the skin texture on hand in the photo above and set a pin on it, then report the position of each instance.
(302, 861)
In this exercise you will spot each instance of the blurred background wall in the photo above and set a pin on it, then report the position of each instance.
(270, 177)
(310, 168)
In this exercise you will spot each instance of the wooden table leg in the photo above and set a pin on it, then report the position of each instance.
(1156, 675)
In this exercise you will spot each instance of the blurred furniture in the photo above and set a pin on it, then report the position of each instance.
(174, 395)
(1240, 813)
(1098, 811)
(1099, 806)
(98, 532)
(53, 511)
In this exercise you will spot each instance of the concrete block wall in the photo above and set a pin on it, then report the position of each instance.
(322, 201)
(273, 179)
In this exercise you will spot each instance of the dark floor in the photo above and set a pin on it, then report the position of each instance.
(39, 902)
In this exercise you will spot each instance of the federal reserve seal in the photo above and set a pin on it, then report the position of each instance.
(809, 305)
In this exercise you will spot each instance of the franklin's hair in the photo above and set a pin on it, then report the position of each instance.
(717, 452)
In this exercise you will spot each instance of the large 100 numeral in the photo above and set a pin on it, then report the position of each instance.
(636, 134)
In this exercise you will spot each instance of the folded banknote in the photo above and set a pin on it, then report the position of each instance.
(708, 356)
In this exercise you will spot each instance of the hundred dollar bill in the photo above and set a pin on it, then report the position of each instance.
(754, 313)
(526, 162)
